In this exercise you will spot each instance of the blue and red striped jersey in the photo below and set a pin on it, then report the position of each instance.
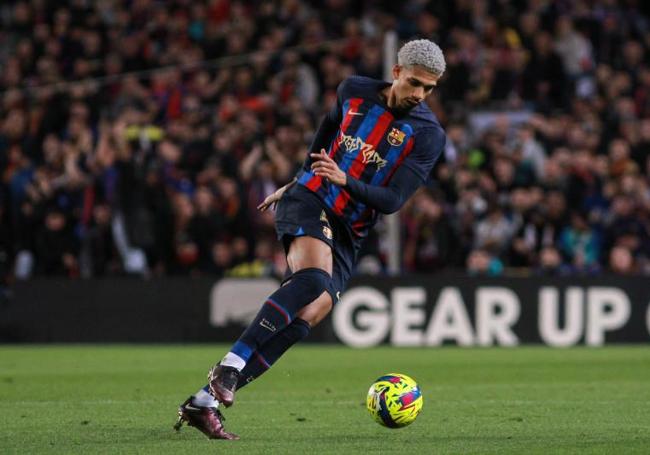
(372, 141)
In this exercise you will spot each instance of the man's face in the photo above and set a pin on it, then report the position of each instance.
(411, 85)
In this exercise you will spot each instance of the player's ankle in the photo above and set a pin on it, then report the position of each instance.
(204, 399)
(234, 361)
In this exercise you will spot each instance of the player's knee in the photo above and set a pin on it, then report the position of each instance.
(311, 282)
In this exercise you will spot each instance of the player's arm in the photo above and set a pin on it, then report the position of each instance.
(272, 199)
(322, 138)
(385, 199)
(330, 124)
(326, 130)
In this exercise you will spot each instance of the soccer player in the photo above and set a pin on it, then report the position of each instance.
(370, 154)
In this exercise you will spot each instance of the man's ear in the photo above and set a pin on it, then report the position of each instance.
(396, 70)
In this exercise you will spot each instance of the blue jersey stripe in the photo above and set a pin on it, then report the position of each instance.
(365, 129)
(358, 210)
(305, 177)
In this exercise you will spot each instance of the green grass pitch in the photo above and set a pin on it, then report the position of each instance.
(123, 399)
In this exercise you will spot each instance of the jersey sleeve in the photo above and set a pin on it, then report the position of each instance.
(335, 115)
(385, 199)
(330, 123)
(427, 148)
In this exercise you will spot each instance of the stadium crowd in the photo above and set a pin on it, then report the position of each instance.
(138, 136)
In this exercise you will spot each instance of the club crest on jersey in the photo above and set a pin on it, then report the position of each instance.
(327, 232)
(396, 137)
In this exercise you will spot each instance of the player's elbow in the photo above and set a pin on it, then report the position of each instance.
(387, 211)
(391, 209)
(392, 205)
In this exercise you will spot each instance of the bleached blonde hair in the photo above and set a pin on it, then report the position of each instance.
(424, 53)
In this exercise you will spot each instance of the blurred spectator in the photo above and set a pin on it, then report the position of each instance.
(573, 47)
(580, 245)
(621, 261)
(532, 152)
(55, 247)
(481, 262)
(494, 231)
(550, 262)
(543, 79)
(431, 243)
(99, 255)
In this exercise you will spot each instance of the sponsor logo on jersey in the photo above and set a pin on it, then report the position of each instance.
(396, 137)
(368, 152)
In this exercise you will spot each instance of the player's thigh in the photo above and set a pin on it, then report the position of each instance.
(309, 252)
(317, 310)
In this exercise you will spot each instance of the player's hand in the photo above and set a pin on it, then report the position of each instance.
(326, 167)
(272, 200)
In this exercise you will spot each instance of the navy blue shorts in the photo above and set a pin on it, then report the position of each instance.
(300, 212)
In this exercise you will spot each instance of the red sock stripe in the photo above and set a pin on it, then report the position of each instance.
(262, 360)
(280, 310)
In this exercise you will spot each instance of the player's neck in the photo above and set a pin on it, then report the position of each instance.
(388, 96)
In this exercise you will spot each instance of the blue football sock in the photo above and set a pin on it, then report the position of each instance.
(261, 361)
(268, 354)
(278, 311)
